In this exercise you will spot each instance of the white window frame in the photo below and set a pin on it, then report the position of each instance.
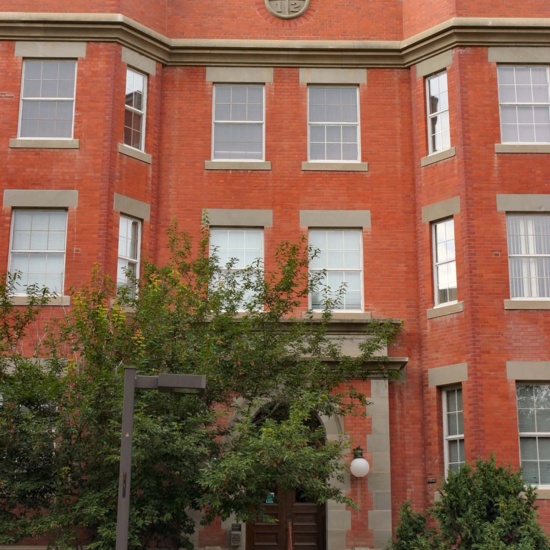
(537, 435)
(533, 260)
(522, 105)
(237, 122)
(440, 264)
(130, 79)
(127, 261)
(316, 124)
(24, 100)
(439, 138)
(458, 437)
(37, 251)
(224, 256)
(345, 269)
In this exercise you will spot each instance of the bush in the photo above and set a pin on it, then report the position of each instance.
(487, 507)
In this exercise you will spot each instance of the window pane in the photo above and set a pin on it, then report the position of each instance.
(129, 235)
(340, 255)
(523, 94)
(49, 117)
(39, 231)
(525, 395)
(333, 118)
(544, 448)
(544, 468)
(526, 420)
(529, 255)
(528, 448)
(438, 115)
(453, 426)
(533, 401)
(444, 267)
(237, 249)
(454, 452)
(241, 139)
(530, 471)
(134, 114)
(451, 401)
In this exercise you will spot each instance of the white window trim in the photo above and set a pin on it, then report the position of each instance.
(360, 270)
(254, 162)
(212, 248)
(446, 437)
(430, 115)
(510, 255)
(19, 295)
(501, 103)
(129, 260)
(357, 125)
(143, 113)
(23, 99)
(436, 264)
(536, 435)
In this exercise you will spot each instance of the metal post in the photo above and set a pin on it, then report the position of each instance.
(123, 511)
(184, 383)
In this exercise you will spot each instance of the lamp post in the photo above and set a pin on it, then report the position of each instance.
(178, 383)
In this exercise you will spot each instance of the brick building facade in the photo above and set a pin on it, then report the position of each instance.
(414, 135)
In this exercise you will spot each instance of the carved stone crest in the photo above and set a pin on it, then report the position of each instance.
(287, 9)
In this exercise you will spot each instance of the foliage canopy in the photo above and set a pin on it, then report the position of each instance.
(486, 507)
(60, 418)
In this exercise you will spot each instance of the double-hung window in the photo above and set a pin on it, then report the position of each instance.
(453, 429)
(333, 123)
(135, 110)
(238, 249)
(437, 97)
(338, 261)
(129, 244)
(533, 402)
(47, 99)
(37, 254)
(529, 255)
(238, 119)
(524, 103)
(444, 262)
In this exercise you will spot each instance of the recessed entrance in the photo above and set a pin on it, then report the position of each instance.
(300, 524)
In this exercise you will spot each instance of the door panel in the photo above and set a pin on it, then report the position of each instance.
(266, 536)
(300, 525)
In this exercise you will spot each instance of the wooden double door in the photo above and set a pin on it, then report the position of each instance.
(299, 524)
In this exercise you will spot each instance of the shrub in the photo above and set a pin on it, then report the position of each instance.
(486, 507)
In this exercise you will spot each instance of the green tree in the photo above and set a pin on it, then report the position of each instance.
(487, 507)
(215, 454)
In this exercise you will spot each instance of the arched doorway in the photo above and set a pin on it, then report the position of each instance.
(299, 523)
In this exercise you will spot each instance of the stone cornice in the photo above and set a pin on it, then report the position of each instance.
(120, 29)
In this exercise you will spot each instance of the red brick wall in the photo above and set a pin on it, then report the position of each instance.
(420, 15)
(485, 335)
(250, 19)
(397, 248)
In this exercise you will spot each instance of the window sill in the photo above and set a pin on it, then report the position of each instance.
(340, 315)
(23, 143)
(543, 494)
(521, 148)
(437, 157)
(441, 311)
(53, 301)
(526, 304)
(236, 165)
(134, 153)
(335, 166)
